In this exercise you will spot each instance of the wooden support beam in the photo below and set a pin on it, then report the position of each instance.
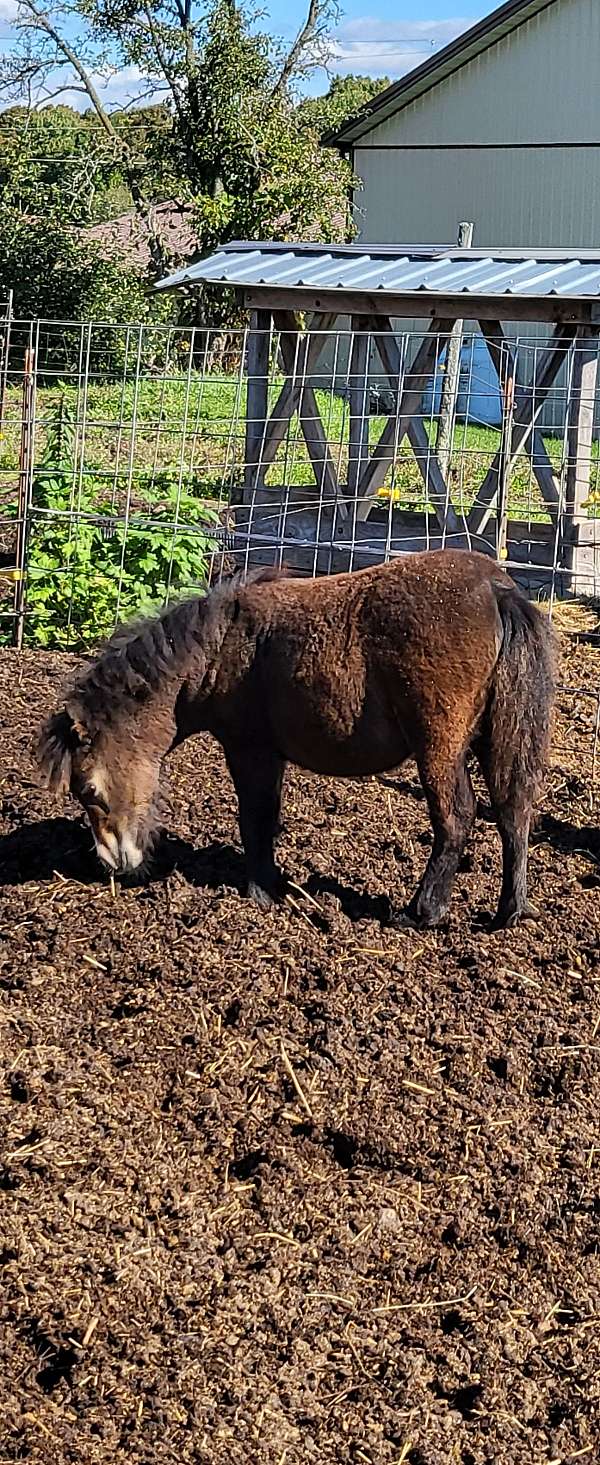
(435, 310)
(514, 397)
(580, 541)
(313, 432)
(405, 421)
(396, 427)
(302, 359)
(433, 478)
(451, 376)
(358, 401)
(524, 421)
(544, 471)
(503, 358)
(258, 348)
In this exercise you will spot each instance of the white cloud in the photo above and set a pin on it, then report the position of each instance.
(116, 89)
(8, 15)
(391, 48)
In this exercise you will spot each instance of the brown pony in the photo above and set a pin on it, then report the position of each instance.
(431, 657)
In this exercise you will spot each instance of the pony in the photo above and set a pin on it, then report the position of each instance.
(433, 656)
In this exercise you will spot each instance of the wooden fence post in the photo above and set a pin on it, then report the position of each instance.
(257, 395)
(579, 537)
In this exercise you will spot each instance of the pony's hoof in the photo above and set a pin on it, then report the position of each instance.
(260, 897)
(403, 921)
(507, 920)
(406, 920)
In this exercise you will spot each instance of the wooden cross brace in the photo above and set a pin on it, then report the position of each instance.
(523, 405)
(300, 353)
(407, 422)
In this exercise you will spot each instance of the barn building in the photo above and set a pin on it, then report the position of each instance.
(501, 128)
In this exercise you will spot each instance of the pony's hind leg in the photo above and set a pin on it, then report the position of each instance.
(451, 804)
(514, 823)
(258, 776)
(512, 804)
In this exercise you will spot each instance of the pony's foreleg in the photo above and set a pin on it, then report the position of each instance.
(258, 776)
(451, 804)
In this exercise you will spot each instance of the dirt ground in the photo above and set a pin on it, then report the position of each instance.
(297, 1188)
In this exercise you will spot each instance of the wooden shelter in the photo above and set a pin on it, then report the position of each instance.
(364, 294)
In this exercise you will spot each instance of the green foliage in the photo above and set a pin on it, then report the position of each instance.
(59, 173)
(45, 264)
(53, 161)
(86, 568)
(255, 164)
(56, 274)
(60, 162)
(346, 96)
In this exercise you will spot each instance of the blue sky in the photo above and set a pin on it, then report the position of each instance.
(374, 37)
(387, 37)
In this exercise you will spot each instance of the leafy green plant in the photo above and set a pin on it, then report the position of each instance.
(90, 563)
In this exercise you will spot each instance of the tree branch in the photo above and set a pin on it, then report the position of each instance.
(308, 32)
(44, 23)
(164, 64)
(49, 96)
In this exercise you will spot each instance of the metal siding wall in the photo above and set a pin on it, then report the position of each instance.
(519, 199)
(538, 84)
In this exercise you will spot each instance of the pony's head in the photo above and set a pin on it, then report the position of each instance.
(114, 773)
(107, 744)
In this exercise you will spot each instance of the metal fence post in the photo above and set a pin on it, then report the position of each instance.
(26, 458)
(4, 357)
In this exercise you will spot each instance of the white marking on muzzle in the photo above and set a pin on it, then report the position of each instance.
(99, 781)
(119, 854)
(131, 854)
(108, 850)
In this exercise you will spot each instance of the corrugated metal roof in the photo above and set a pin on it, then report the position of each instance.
(433, 270)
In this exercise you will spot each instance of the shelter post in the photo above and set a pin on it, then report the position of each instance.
(258, 350)
(358, 402)
(451, 377)
(580, 537)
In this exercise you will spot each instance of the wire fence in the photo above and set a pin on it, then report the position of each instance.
(137, 463)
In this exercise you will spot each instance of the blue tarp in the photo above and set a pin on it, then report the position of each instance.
(479, 400)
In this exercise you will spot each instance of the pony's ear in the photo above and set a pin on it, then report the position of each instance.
(56, 744)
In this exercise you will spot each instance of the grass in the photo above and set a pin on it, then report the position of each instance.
(130, 433)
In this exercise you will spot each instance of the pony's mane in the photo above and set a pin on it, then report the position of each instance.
(141, 655)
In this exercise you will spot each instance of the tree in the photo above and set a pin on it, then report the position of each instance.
(235, 143)
(346, 96)
(57, 161)
(55, 273)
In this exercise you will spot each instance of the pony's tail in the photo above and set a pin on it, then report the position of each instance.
(518, 719)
